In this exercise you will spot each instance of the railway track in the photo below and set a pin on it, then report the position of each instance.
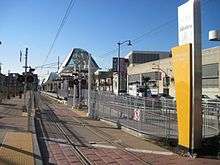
(105, 136)
(83, 159)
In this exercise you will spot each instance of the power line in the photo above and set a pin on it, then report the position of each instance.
(53, 63)
(63, 21)
(153, 30)
(141, 36)
(47, 66)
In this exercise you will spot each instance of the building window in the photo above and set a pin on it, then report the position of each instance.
(210, 83)
(210, 75)
(210, 70)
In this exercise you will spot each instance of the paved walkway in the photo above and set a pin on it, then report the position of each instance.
(16, 144)
(126, 139)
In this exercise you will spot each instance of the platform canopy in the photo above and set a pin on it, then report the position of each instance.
(77, 61)
(51, 77)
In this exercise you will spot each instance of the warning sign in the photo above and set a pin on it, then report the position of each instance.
(137, 114)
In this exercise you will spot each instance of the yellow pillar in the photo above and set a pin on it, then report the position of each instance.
(188, 122)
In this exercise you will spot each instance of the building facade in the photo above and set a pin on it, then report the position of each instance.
(103, 80)
(160, 76)
(210, 71)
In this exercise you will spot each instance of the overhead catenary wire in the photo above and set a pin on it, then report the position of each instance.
(48, 64)
(135, 40)
(63, 21)
(140, 37)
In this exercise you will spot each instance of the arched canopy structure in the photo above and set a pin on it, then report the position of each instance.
(77, 61)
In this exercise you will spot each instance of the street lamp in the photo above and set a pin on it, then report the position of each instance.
(119, 69)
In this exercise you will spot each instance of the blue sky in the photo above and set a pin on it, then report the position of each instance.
(94, 25)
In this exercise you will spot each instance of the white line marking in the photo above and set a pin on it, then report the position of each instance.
(150, 151)
(103, 146)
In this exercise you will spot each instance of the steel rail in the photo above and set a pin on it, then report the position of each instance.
(109, 139)
(106, 137)
(76, 150)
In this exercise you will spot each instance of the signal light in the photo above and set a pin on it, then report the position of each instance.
(30, 79)
(21, 78)
(76, 82)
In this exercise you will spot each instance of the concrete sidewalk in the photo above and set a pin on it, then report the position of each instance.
(17, 145)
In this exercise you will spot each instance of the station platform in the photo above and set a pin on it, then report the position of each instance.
(17, 144)
(146, 149)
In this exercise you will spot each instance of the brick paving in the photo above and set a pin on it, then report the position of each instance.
(157, 159)
(110, 156)
(62, 153)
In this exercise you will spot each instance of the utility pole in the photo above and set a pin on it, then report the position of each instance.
(80, 86)
(119, 60)
(0, 67)
(8, 85)
(58, 64)
(119, 68)
(58, 67)
(75, 76)
(25, 74)
(89, 114)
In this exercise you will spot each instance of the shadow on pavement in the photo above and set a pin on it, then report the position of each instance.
(8, 104)
(12, 128)
(41, 142)
(210, 148)
(21, 151)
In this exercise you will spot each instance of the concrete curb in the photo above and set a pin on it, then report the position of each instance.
(109, 123)
(54, 98)
(128, 130)
(36, 150)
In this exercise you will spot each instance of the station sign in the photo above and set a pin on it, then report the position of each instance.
(189, 33)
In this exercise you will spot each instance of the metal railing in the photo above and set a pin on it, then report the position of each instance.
(152, 117)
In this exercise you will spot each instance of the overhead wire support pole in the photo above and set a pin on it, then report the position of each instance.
(58, 67)
(89, 114)
(119, 64)
(119, 70)
(25, 91)
(25, 74)
(58, 64)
